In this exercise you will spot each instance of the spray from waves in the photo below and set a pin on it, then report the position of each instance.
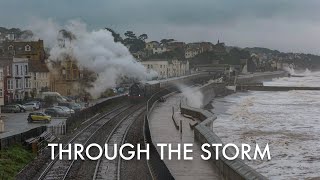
(292, 71)
(93, 50)
(194, 97)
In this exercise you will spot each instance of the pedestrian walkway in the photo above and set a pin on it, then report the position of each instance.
(163, 130)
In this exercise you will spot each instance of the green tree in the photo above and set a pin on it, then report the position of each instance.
(135, 44)
(166, 41)
(117, 37)
(143, 37)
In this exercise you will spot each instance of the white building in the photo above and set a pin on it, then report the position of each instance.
(159, 50)
(167, 68)
(18, 79)
(152, 44)
(192, 52)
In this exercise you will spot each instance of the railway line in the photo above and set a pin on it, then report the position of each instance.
(111, 169)
(59, 169)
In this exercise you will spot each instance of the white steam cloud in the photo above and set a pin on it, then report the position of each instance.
(193, 95)
(94, 50)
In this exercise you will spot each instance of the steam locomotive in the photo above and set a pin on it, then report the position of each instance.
(139, 91)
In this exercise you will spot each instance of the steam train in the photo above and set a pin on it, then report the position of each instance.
(140, 91)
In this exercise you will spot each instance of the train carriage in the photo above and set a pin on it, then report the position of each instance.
(141, 90)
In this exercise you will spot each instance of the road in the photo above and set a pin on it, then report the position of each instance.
(15, 123)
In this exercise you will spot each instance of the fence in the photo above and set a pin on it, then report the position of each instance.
(59, 129)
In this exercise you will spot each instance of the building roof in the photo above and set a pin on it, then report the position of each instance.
(35, 66)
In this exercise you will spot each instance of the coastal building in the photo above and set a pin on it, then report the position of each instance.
(204, 46)
(33, 50)
(39, 77)
(192, 52)
(151, 45)
(18, 83)
(171, 46)
(159, 50)
(167, 68)
(66, 78)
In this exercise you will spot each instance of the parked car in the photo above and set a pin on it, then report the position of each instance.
(39, 116)
(22, 107)
(30, 106)
(56, 112)
(66, 109)
(74, 106)
(39, 104)
(10, 109)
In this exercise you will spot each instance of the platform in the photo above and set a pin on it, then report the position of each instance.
(163, 130)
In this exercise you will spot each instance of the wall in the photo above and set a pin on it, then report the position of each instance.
(203, 133)
(21, 137)
(260, 77)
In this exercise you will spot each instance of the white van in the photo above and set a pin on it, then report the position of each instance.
(57, 96)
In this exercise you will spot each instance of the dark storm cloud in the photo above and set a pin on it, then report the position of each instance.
(99, 12)
(185, 19)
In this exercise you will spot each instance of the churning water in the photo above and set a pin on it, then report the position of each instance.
(288, 121)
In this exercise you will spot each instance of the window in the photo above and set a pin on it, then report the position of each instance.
(10, 48)
(1, 92)
(21, 71)
(26, 69)
(17, 70)
(27, 48)
(17, 83)
(1, 76)
(27, 83)
(75, 74)
(10, 84)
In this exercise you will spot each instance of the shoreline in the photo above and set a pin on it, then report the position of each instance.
(240, 119)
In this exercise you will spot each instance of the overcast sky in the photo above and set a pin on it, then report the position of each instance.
(286, 25)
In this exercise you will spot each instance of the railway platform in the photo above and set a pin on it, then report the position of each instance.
(163, 130)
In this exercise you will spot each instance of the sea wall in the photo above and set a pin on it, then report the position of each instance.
(203, 133)
(259, 77)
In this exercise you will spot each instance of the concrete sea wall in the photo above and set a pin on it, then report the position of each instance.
(259, 77)
(203, 133)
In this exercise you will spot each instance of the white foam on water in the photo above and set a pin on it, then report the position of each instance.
(288, 121)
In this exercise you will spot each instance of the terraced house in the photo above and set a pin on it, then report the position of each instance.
(33, 50)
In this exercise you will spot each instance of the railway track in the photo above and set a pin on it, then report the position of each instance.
(111, 169)
(59, 169)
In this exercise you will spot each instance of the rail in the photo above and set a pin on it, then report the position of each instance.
(156, 166)
(118, 134)
(61, 170)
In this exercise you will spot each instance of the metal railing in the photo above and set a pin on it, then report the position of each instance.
(157, 167)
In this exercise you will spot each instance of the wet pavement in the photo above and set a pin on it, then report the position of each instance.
(15, 123)
(163, 130)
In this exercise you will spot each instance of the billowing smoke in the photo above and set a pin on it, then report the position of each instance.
(94, 50)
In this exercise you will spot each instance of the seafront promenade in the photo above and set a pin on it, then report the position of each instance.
(163, 130)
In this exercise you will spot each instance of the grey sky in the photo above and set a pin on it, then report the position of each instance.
(287, 25)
